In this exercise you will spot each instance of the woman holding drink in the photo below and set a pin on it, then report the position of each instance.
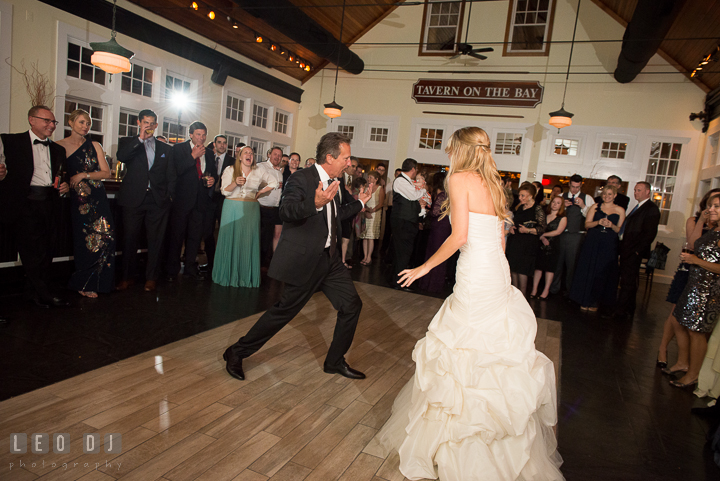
(237, 258)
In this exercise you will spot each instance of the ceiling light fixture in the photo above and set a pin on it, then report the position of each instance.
(258, 38)
(333, 109)
(110, 56)
(562, 118)
(211, 15)
(273, 47)
(290, 57)
(194, 6)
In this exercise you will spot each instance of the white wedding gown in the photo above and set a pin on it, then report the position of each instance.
(482, 402)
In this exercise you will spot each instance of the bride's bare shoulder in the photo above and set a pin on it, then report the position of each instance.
(466, 180)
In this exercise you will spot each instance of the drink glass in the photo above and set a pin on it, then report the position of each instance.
(688, 250)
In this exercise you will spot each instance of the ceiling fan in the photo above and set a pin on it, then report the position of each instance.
(466, 48)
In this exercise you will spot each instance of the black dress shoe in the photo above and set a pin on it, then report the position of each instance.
(344, 370)
(205, 267)
(234, 364)
(170, 278)
(40, 303)
(711, 412)
(59, 302)
(197, 276)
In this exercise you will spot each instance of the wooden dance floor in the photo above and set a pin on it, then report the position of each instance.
(182, 417)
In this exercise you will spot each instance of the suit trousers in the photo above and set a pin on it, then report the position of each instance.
(209, 240)
(189, 227)
(333, 279)
(155, 219)
(404, 233)
(568, 246)
(35, 230)
(629, 282)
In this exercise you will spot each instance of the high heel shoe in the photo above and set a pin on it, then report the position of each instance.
(668, 372)
(687, 385)
(661, 364)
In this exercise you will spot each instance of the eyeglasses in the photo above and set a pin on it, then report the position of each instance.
(47, 121)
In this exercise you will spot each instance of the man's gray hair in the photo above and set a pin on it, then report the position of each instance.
(330, 144)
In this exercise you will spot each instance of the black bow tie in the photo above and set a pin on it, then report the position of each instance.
(45, 142)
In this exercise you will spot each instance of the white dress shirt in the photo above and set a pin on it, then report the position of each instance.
(408, 190)
(272, 198)
(589, 201)
(42, 175)
(257, 179)
(324, 177)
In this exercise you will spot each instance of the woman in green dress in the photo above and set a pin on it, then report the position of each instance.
(237, 257)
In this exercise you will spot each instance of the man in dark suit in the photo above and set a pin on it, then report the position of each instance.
(405, 218)
(30, 189)
(637, 234)
(145, 195)
(307, 258)
(193, 209)
(620, 199)
(218, 151)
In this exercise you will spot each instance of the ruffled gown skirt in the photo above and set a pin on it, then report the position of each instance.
(482, 403)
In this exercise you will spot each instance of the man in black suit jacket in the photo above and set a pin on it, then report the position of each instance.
(218, 151)
(30, 171)
(620, 199)
(145, 195)
(637, 233)
(193, 209)
(307, 258)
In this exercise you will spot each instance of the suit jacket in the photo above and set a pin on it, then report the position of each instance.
(620, 199)
(135, 183)
(640, 230)
(305, 228)
(190, 190)
(15, 188)
(227, 161)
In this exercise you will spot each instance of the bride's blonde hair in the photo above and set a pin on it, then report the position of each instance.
(469, 151)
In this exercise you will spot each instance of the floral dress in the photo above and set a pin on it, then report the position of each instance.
(93, 226)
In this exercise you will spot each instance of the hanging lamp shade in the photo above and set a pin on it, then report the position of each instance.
(110, 56)
(332, 110)
(561, 118)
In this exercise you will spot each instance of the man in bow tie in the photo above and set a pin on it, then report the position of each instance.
(307, 258)
(145, 197)
(30, 189)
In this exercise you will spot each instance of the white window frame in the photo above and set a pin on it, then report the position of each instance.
(143, 82)
(83, 45)
(285, 148)
(286, 124)
(428, 17)
(238, 138)
(567, 159)
(385, 134)
(91, 104)
(347, 126)
(418, 137)
(129, 125)
(189, 91)
(268, 114)
(245, 102)
(259, 156)
(652, 178)
(184, 124)
(514, 133)
(511, 24)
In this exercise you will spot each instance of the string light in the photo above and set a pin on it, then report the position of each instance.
(194, 6)
(258, 38)
(211, 15)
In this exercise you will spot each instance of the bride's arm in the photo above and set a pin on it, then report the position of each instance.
(458, 192)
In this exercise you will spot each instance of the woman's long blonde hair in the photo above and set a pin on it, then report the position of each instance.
(237, 169)
(469, 151)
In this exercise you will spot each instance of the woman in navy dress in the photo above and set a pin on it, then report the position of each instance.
(596, 275)
(92, 221)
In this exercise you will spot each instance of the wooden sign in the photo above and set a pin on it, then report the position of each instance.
(499, 93)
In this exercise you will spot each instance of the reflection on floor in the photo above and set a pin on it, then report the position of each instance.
(619, 418)
(181, 416)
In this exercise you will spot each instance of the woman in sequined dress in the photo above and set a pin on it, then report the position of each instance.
(698, 307)
(92, 221)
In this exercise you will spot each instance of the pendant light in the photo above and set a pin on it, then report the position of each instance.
(333, 109)
(110, 56)
(562, 118)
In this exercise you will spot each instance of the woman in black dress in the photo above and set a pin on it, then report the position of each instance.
(695, 227)
(92, 221)
(596, 276)
(522, 244)
(547, 255)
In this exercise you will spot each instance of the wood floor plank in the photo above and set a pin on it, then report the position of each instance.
(294, 417)
(362, 469)
(343, 455)
(291, 472)
(236, 462)
(390, 468)
(248, 475)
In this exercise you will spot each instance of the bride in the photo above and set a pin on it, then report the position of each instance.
(482, 402)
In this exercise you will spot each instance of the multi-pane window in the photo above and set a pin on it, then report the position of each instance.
(661, 175)
(566, 146)
(508, 143)
(138, 81)
(260, 115)
(174, 132)
(235, 108)
(175, 84)
(258, 147)
(281, 122)
(96, 115)
(80, 66)
(127, 126)
(233, 140)
(431, 139)
(378, 134)
(529, 27)
(348, 130)
(442, 27)
(613, 150)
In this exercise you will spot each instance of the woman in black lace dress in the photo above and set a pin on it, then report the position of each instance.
(522, 244)
(92, 221)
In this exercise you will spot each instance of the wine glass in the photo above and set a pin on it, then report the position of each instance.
(603, 228)
(685, 249)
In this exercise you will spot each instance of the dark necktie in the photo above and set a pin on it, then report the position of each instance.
(197, 166)
(333, 224)
(45, 142)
